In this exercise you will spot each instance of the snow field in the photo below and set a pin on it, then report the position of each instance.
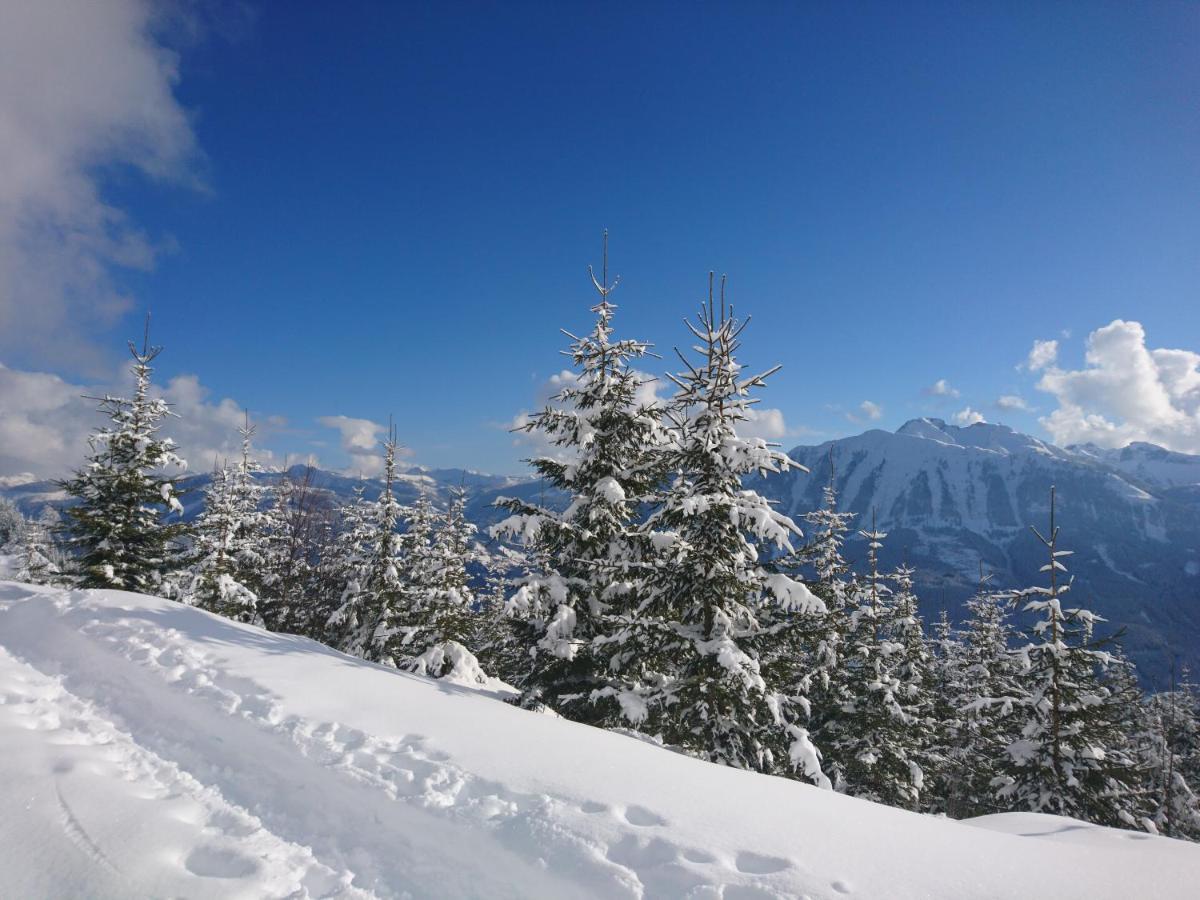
(153, 749)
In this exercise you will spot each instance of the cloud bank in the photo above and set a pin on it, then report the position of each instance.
(1126, 391)
(45, 422)
(85, 88)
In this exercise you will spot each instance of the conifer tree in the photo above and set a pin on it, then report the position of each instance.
(12, 523)
(828, 528)
(1067, 759)
(38, 561)
(126, 524)
(225, 553)
(495, 636)
(944, 791)
(213, 584)
(983, 692)
(431, 623)
(603, 428)
(689, 653)
(349, 625)
(1170, 752)
(373, 558)
(874, 744)
(911, 662)
(294, 533)
(810, 657)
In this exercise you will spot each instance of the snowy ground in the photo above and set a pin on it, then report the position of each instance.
(148, 749)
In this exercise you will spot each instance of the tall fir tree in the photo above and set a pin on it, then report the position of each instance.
(1068, 758)
(943, 792)
(126, 525)
(295, 533)
(225, 555)
(373, 560)
(603, 425)
(874, 742)
(211, 582)
(910, 659)
(350, 622)
(983, 696)
(813, 652)
(689, 652)
(1170, 752)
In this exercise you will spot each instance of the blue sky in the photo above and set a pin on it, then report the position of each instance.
(389, 208)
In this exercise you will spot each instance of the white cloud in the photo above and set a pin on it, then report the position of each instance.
(1012, 402)
(768, 424)
(968, 416)
(45, 422)
(868, 411)
(85, 87)
(1043, 354)
(361, 441)
(941, 388)
(1126, 392)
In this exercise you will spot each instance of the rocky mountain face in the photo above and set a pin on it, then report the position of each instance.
(950, 497)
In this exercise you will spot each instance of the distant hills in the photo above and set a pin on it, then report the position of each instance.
(949, 497)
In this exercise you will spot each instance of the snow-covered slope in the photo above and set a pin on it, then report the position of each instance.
(951, 496)
(1149, 463)
(149, 749)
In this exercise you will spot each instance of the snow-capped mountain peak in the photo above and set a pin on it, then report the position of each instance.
(951, 496)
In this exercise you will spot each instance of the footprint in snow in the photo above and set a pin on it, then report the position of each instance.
(842, 887)
(219, 862)
(642, 817)
(757, 864)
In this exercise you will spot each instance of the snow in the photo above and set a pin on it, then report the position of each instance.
(153, 749)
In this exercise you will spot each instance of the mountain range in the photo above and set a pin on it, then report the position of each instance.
(950, 498)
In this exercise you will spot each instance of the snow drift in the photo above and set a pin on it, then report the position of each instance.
(151, 749)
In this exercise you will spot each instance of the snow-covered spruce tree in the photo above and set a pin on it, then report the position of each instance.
(827, 628)
(804, 653)
(431, 625)
(349, 626)
(943, 792)
(126, 525)
(983, 701)
(225, 553)
(400, 633)
(688, 653)
(372, 559)
(295, 532)
(912, 663)
(210, 582)
(1170, 751)
(12, 523)
(603, 428)
(38, 561)
(493, 637)
(1068, 758)
(873, 746)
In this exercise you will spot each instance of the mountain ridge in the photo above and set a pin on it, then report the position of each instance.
(951, 497)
